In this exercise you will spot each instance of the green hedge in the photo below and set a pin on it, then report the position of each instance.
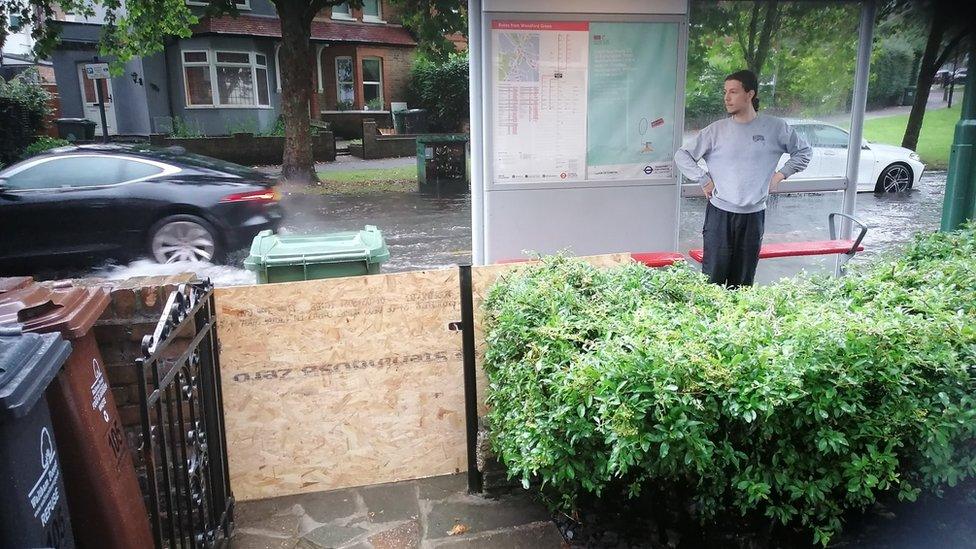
(442, 89)
(23, 106)
(891, 72)
(44, 144)
(795, 402)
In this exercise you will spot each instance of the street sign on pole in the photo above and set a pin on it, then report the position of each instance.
(96, 71)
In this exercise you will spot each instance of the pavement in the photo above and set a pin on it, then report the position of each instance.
(419, 514)
(349, 163)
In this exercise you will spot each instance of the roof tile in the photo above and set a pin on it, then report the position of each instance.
(249, 25)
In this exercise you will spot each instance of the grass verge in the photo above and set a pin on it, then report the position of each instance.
(367, 181)
(934, 141)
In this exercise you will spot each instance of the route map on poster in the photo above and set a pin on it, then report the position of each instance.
(539, 100)
(576, 100)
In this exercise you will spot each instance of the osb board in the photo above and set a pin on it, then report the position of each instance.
(346, 382)
(342, 382)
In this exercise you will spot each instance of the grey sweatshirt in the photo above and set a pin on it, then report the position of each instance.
(741, 158)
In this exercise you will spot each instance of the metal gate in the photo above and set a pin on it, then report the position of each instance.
(184, 448)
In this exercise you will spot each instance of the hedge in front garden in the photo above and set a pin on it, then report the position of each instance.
(796, 401)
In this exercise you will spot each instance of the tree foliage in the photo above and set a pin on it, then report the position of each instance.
(432, 21)
(949, 26)
(802, 52)
(441, 87)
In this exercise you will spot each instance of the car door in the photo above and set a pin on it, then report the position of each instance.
(69, 205)
(812, 169)
(831, 142)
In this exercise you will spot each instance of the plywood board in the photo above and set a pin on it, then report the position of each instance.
(341, 382)
(346, 382)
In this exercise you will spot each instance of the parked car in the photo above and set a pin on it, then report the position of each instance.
(942, 76)
(82, 203)
(959, 77)
(883, 168)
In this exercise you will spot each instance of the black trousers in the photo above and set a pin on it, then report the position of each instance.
(731, 246)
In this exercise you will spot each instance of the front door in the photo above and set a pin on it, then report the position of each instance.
(90, 100)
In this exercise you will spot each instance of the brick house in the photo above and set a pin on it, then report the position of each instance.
(226, 78)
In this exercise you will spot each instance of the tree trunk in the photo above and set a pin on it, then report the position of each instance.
(926, 75)
(765, 39)
(296, 90)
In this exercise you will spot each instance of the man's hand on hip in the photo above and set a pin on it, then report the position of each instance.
(775, 180)
(709, 189)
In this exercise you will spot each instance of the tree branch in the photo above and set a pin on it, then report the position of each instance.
(737, 26)
(752, 32)
(769, 23)
(944, 55)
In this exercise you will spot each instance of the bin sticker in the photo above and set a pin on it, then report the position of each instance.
(116, 441)
(45, 495)
(99, 390)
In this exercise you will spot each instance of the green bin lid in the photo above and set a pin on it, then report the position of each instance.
(269, 249)
(28, 363)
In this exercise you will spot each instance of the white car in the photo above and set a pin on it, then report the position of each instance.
(883, 168)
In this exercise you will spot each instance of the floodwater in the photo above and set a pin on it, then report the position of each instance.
(892, 218)
(428, 231)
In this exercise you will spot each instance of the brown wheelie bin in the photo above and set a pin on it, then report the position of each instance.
(106, 505)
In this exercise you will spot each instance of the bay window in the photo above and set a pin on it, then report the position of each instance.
(226, 79)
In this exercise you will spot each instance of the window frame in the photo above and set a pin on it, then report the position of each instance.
(817, 127)
(255, 67)
(339, 83)
(186, 81)
(372, 82)
(167, 169)
(241, 4)
(212, 62)
(378, 18)
(277, 59)
(342, 16)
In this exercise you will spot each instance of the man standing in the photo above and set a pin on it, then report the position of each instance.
(741, 153)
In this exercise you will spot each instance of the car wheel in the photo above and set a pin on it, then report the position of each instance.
(896, 178)
(183, 238)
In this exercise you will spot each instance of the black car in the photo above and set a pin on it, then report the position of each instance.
(78, 204)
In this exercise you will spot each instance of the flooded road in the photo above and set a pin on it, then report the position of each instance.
(892, 218)
(427, 231)
(422, 231)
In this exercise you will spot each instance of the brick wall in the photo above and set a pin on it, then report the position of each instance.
(329, 97)
(396, 71)
(349, 124)
(135, 308)
(396, 63)
(378, 146)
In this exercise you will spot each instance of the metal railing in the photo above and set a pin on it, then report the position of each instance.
(183, 444)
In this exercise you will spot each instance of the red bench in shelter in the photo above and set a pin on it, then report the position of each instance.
(651, 259)
(816, 247)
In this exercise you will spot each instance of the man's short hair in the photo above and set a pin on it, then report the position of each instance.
(749, 83)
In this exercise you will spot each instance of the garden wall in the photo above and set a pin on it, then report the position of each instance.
(349, 124)
(247, 149)
(384, 146)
